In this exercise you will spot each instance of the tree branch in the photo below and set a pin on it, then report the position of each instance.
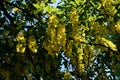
(96, 44)
(6, 13)
(24, 10)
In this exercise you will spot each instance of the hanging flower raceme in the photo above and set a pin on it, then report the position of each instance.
(56, 36)
(21, 46)
(117, 27)
(73, 16)
(32, 44)
(106, 43)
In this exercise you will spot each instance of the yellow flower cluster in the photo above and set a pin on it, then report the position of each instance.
(117, 27)
(67, 76)
(85, 59)
(68, 49)
(15, 9)
(73, 16)
(105, 2)
(88, 55)
(56, 36)
(106, 43)
(81, 65)
(78, 34)
(109, 8)
(20, 47)
(98, 28)
(80, 57)
(77, 30)
(32, 44)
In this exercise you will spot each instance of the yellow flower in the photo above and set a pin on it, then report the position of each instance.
(15, 9)
(80, 57)
(53, 20)
(20, 48)
(108, 43)
(118, 27)
(67, 76)
(20, 37)
(32, 44)
(81, 67)
(73, 16)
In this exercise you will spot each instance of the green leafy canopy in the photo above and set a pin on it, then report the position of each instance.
(75, 40)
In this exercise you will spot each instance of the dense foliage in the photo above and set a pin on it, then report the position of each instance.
(77, 39)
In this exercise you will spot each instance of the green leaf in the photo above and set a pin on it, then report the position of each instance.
(72, 3)
(54, 1)
(40, 7)
(48, 8)
(36, 6)
(99, 6)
